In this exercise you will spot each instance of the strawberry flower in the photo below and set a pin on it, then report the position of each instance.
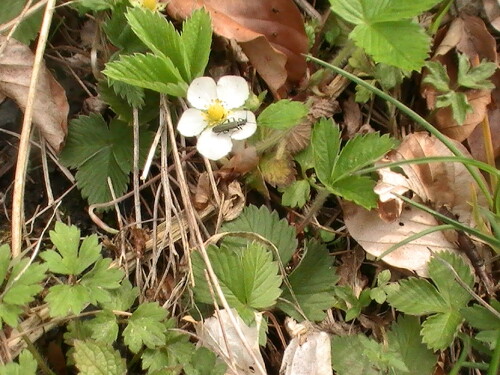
(216, 117)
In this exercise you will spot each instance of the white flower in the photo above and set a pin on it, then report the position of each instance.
(215, 117)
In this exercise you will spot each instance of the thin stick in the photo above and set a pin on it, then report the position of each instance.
(137, 198)
(24, 142)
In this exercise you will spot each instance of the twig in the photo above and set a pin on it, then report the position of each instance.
(24, 142)
(137, 199)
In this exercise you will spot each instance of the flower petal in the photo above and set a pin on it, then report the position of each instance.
(214, 146)
(245, 130)
(202, 92)
(192, 122)
(233, 91)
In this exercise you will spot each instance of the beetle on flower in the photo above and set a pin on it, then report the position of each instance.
(213, 106)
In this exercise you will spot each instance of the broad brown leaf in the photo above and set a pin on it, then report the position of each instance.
(51, 107)
(270, 32)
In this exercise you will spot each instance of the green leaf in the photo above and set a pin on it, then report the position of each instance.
(104, 327)
(480, 318)
(120, 33)
(176, 353)
(68, 259)
(145, 327)
(96, 358)
(204, 362)
(28, 28)
(4, 262)
(100, 153)
(148, 71)
(451, 291)
(27, 365)
(358, 189)
(268, 225)
(437, 77)
(459, 105)
(387, 42)
(22, 285)
(325, 142)
(348, 356)
(283, 114)
(132, 94)
(249, 277)
(122, 298)
(438, 331)
(101, 279)
(313, 284)
(404, 338)
(64, 300)
(196, 38)
(477, 77)
(297, 194)
(388, 76)
(161, 37)
(417, 297)
(370, 11)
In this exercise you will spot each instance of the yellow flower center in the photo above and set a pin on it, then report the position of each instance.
(149, 4)
(216, 113)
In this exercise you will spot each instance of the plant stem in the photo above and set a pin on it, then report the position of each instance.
(318, 202)
(495, 358)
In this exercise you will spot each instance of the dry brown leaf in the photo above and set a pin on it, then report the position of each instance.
(376, 236)
(51, 107)
(278, 172)
(234, 202)
(468, 35)
(270, 32)
(353, 118)
(492, 10)
(439, 184)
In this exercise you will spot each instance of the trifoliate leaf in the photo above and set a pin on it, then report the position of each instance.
(313, 284)
(157, 73)
(437, 77)
(404, 338)
(438, 331)
(268, 225)
(27, 365)
(325, 142)
(196, 38)
(417, 297)
(161, 37)
(104, 327)
(383, 29)
(67, 299)
(249, 277)
(145, 327)
(100, 153)
(283, 114)
(297, 194)
(460, 106)
(96, 358)
(71, 258)
(476, 77)
(451, 291)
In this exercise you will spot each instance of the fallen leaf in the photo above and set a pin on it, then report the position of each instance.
(234, 202)
(468, 35)
(492, 11)
(50, 113)
(278, 171)
(270, 32)
(439, 184)
(308, 353)
(219, 335)
(376, 236)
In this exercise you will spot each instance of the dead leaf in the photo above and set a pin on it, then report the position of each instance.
(270, 32)
(352, 116)
(438, 184)
(468, 35)
(376, 236)
(308, 353)
(51, 107)
(492, 10)
(234, 202)
(219, 335)
(278, 171)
